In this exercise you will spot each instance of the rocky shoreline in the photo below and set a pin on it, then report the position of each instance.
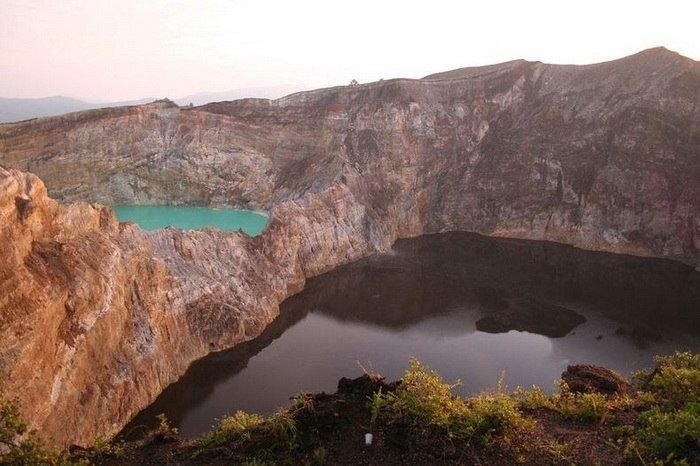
(595, 417)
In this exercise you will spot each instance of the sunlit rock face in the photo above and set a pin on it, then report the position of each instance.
(97, 317)
(602, 156)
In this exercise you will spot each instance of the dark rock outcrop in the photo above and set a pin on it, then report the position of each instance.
(532, 315)
(365, 385)
(588, 378)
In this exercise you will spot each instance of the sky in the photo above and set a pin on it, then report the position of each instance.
(121, 49)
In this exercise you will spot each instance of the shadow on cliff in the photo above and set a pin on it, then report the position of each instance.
(433, 274)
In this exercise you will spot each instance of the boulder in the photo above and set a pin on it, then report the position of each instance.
(588, 378)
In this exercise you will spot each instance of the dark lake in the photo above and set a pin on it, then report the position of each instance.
(440, 298)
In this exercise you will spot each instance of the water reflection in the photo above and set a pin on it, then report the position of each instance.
(424, 299)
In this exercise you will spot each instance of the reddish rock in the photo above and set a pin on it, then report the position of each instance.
(588, 378)
(600, 156)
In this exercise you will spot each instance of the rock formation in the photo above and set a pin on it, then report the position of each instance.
(96, 317)
(601, 156)
(588, 378)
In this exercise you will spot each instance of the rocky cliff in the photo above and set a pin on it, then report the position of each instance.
(601, 156)
(96, 317)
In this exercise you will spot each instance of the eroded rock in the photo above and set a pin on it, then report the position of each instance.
(588, 378)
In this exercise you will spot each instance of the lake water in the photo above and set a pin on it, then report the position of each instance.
(155, 217)
(426, 299)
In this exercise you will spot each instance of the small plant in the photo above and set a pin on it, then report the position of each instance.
(17, 446)
(425, 405)
(251, 437)
(163, 433)
(318, 455)
(303, 402)
(669, 435)
(534, 398)
(582, 407)
(11, 425)
(491, 413)
(669, 429)
(376, 402)
(232, 429)
(676, 380)
(102, 447)
(559, 451)
(282, 430)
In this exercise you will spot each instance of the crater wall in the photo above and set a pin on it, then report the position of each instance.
(97, 317)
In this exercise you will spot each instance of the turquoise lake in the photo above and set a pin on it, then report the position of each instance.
(155, 217)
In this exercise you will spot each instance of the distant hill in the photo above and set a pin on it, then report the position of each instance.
(12, 109)
(25, 109)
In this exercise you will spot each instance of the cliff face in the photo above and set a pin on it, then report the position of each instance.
(96, 317)
(601, 156)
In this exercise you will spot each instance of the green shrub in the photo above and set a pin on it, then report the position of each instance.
(490, 413)
(251, 437)
(581, 407)
(17, 447)
(425, 405)
(676, 380)
(669, 435)
(281, 431)
(102, 447)
(534, 398)
(11, 425)
(670, 428)
(232, 429)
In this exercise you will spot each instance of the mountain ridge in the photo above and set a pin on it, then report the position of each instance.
(15, 110)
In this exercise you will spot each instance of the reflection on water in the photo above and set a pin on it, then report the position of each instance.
(423, 299)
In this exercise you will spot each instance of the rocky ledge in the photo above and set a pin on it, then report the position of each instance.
(97, 317)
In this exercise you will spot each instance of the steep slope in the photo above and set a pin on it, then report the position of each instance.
(96, 318)
(602, 156)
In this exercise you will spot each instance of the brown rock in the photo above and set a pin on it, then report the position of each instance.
(603, 156)
(588, 378)
(365, 385)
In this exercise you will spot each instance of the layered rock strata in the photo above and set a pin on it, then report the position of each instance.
(96, 317)
(601, 156)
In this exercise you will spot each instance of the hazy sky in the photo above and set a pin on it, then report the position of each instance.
(112, 50)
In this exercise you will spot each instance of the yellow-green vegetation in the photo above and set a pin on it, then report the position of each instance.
(583, 407)
(668, 427)
(19, 447)
(421, 420)
(580, 407)
(425, 409)
(252, 436)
